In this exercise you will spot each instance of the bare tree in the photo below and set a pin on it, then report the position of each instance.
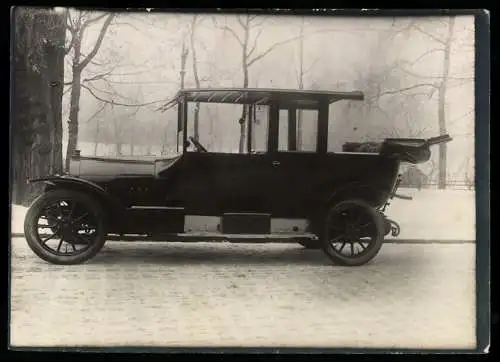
(133, 124)
(373, 77)
(195, 21)
(442, 101)
(96, 135)
(77, 26)
(300, 80)
(164, 141)
(469, 173)
(182, 80)
(247, 25)
(96, 116)
(301, 73)
(444, 46)
(119, 121)
(398, 80)
(118, 133)
(440, 83)
(182, 72)
(192, 36)
(99, 81)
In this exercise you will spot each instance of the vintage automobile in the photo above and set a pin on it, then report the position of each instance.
(334, 201)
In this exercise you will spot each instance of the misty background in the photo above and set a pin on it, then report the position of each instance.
(417, 75)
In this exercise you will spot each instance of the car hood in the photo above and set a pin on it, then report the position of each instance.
(120, 166)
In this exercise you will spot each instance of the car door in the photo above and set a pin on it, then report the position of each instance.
(276, 172)
(211, 183)
(294, 176)
(242, 182)
(292, 172)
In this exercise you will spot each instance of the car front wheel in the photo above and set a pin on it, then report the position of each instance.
(353, 233)
(65, 227)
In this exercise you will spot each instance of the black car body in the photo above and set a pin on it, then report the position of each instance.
(245, 193)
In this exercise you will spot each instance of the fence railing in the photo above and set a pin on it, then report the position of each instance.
(450, 185)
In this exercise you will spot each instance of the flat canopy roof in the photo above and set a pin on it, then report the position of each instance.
(287, 98)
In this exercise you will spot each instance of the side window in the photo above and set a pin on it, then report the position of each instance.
(307, 124)
(260, 129)
(283, 131)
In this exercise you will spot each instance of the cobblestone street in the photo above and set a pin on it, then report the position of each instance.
(143, 294)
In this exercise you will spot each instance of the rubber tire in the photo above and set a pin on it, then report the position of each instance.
(310, 244)
(342, 260)
(31, 221)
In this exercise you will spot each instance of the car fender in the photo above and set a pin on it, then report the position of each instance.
(76, 183)
(367, 192)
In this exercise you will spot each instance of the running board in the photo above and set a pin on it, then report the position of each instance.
(207, 236)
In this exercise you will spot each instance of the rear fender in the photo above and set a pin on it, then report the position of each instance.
(371, 194)
(110, 204)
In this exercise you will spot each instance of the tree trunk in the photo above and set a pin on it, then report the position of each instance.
(132, 142)
(74, 103)
(22, 135)
(442, 130)
(55, 74)
(184, 54)
(36, 101)
(244, 66)
(149, 140)
(96, 135)
(73, 116)
(78, 66)
(196, 78)
(442, 106)
(241, 147)
(117, 128)
(164, 141)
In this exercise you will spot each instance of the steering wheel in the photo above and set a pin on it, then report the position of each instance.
(199, 147)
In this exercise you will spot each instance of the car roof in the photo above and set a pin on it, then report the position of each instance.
(287, 98)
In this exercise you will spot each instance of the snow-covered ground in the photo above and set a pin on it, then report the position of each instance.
(431, 215)
(18, 213)
(435, 214)
(222, 294)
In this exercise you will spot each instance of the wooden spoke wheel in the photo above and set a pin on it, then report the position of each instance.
(65, 227)
(354, 233)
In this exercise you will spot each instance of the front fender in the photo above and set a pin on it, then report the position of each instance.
(79, 184)
(66, 179)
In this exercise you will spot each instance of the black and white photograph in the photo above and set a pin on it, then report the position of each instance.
(242, 179)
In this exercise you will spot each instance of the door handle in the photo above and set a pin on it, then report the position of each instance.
(276, 163)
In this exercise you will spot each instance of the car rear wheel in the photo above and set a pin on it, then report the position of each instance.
(353, 234)
(65, 227)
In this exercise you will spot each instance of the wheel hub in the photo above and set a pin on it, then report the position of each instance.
(352, 232)
(67, 229)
